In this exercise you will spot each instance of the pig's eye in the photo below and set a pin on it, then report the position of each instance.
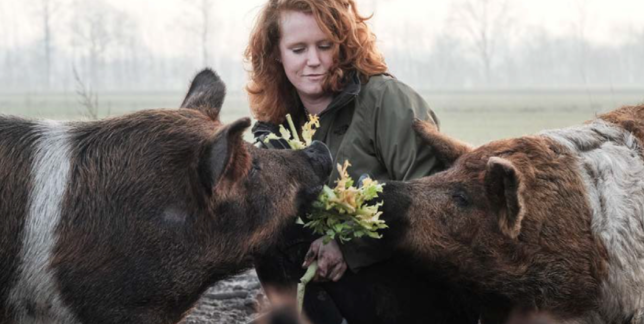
(461, 198)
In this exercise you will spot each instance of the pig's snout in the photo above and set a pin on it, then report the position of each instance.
(320, 158)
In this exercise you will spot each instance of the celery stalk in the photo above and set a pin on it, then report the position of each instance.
(301, 287)
(292, 126)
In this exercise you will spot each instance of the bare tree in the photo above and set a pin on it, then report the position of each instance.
(446, 61)
(91, 36)
(87, 98)
(203, 11)
(579, 31)
(580, 26)
(48, 9)
(126, 48)
(4, 43)
(486, 23)
(8, 36)
(637, 70)
(98, 31)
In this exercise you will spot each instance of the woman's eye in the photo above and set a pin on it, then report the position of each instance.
(298, 50)
(325, 47)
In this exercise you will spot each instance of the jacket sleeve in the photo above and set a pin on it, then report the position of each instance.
(401, 151)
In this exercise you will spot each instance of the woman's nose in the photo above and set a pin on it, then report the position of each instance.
(313, 58)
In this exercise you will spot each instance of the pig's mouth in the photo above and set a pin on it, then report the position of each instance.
(305, 198)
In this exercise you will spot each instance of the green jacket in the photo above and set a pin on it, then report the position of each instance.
(371, 126)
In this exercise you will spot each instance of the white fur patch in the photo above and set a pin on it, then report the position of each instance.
(35, 297)
(613, 172)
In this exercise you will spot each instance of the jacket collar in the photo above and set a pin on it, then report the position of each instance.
(342, 98)
(348, 94)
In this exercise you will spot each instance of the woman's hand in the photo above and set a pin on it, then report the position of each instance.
(331, 264)
(261, 130)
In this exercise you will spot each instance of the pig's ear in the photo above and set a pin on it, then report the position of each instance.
(206, 94)
(226, 158)
(447, 149)
(504, 187)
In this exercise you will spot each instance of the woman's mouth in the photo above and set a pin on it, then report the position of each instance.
(314, 77)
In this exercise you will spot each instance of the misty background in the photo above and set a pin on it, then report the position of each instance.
(115, 56)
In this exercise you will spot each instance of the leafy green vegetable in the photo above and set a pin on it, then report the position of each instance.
(292, 137)
(342, 212)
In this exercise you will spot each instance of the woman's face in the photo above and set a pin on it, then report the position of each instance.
(306, 53)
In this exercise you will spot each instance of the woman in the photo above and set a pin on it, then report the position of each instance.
(319, 57)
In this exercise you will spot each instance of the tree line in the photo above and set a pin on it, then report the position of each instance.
(477, 48)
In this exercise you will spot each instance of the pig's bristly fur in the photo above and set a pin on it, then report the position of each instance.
(130, 219)
(610, 162)
(552, 222)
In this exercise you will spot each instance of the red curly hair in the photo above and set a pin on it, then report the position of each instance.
(271, 94)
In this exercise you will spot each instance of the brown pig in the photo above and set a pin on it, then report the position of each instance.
(552, 222)
(129, 219)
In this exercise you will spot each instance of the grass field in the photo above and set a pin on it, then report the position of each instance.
(473, 116)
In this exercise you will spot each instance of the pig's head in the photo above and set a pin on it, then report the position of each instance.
(509, 217)
(251, 192)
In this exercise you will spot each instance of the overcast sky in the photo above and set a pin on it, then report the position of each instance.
(161, 21)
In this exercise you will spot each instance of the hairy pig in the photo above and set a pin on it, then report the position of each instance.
(129, 219)
(552, 222)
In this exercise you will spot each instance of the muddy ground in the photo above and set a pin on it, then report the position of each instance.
(233, 301)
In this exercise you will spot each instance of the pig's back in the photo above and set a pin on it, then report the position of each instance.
(66, 185)
(630, 118)
(16, 152)
(34, 170)
(609, 160)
